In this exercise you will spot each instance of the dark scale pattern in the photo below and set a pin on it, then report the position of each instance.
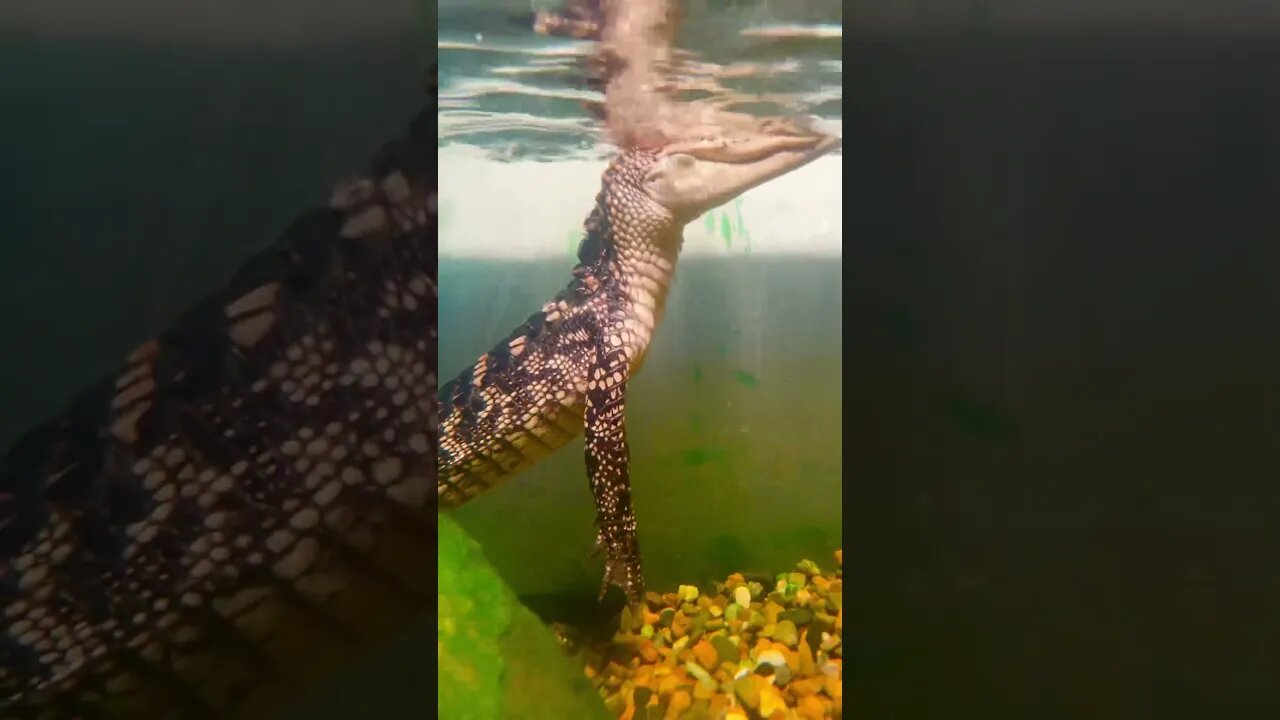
(568, 365)
(232, 465)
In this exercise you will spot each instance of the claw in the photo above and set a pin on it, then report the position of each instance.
(600, 545)
(617, 570)
(634, 590)
(604, 584)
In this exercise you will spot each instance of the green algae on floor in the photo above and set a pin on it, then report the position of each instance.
(496, 659)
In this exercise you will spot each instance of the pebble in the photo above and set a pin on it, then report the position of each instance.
(680, 624)
(810, 708)
(775, 659)
(729, 650)
(706, 655)
(772, 611)
(726, 649)
(771, 701)
(798, 616)
(747, 688)
(808, 686)
(648, 652)
(680, 701)
(805, 666)
(786, 634)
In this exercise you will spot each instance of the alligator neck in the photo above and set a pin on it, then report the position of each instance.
(646, 274)
(637, 260)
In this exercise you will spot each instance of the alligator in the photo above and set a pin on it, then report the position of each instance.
(566, 369)
(258, 466)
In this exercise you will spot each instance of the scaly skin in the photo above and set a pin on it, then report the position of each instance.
(566, 369)
(241, 469)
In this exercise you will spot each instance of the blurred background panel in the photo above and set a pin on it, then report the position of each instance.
(1061, 279)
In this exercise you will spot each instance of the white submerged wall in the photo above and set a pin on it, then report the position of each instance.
(527, 209)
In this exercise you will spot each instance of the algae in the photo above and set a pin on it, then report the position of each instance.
(496, 659)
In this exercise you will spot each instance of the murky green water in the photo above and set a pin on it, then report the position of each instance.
(734, 424)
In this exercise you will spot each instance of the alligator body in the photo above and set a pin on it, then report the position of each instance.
(244, 470)
(567, 368)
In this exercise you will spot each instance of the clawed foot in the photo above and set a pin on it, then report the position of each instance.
(621, 565)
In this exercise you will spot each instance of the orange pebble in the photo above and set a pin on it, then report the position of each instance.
(810, 708)
(771, 612)
(706, 654)
(669, 684)
(680, 624)
(648, 651)
(804, 661)
(771, 701)
(805, 687)
(832, 686)
(680, 702)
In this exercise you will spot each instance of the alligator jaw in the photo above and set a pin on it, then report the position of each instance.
(694, 177)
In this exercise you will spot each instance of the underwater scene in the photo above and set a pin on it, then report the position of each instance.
(733, 424)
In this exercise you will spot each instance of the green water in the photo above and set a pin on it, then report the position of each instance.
(734, 424)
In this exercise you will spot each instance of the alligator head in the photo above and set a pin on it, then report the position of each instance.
(689, 177)
(649, 195)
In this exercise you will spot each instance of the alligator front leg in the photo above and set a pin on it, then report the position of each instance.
(608, 463)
